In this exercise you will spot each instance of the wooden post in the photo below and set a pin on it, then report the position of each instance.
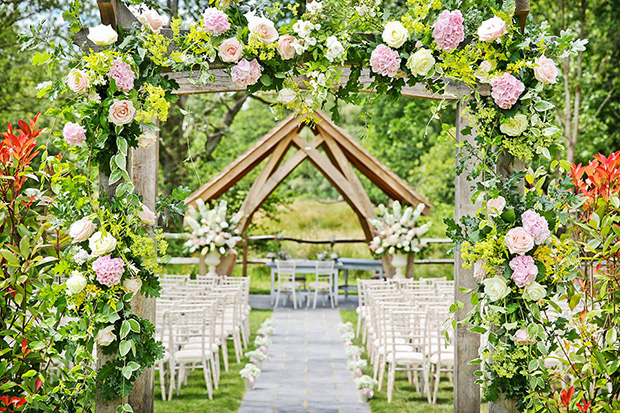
(466, 391)
(245, 255)
(145, 170)
(410, 272)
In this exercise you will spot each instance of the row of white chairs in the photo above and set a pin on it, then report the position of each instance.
(196, 319)
(403, 326)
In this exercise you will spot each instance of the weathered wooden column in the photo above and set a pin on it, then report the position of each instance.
(466, 391)
(145, 170)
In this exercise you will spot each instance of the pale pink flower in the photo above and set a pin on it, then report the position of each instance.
(448, 30)
(385, 61)
(246, 73)
(263, 29)
(82, 230)
(524, 270)
(545, 70)
(109, 270)
(78, 81)
(153, 20)
(492, 29)
(215, 21)
(285, 47)
(536, 225)
(230, 50)
(73, 133)
(479, 271)
(147, 216)
(522, 337)
(506, 90)
(123, 75)
(495, 206)
(519, 241)
(121, 112)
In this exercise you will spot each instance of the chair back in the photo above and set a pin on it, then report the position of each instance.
(286, 270)
(324, 271)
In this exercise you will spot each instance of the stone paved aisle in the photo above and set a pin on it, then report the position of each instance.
(307, 367)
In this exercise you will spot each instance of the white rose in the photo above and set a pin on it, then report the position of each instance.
(496, 206)
(105, 337)
(76, 283)
(102, 35)
(314, 7)
(492, 29)
(286, 96)
(496, 288)
(101, 244)
(421, 62)
(534, 292)
(515, 126)
(147, 139)
(479, 271)
(395, 34)
(132, 285)
(335, 50)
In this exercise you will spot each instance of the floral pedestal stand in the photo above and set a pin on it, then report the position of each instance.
(249, 383)
(399, 261)
(212, 259)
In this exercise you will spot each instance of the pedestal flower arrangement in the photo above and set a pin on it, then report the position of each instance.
(250, 373)
(366, 386)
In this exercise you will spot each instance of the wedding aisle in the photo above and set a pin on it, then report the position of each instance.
(307, 367)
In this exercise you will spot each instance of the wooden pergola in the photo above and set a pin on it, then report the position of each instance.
(145, 167)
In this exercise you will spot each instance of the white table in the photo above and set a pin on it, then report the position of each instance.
(303, 267)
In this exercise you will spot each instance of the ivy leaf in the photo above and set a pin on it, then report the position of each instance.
(127, 372)
(125, 328)
(121, 143)
(124, 347)
(134, 325)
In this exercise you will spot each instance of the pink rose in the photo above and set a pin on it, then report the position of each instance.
(121, 112)
(545, 70)
(215, 21)
(506, 90)
(231, 50)
(285, 47)
(147, 216)
(524, 270)
(448, 30)
(78, 81)
(263, 349)
(522, 337)
(153, 20)
(492, 29)
(518, 241)
(479, 271)
(495, 206)
(109, 270)
(122, 74)
(246, 73)
(263, 29)
(81, 230)
(358, 372)
(385, 61)
(536, 225)
(73, 133)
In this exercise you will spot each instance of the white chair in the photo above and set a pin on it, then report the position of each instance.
(323, 282)
(441, 351)
(286, 281)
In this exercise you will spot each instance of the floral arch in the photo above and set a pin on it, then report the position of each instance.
(133, 65)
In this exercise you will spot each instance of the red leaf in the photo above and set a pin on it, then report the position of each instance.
(585, 407)
(24, 344)
(38, 383)
(566, 396)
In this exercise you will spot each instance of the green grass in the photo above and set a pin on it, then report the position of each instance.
(193, 397)
(405, 398)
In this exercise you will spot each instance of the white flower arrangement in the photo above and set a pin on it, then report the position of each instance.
(250, 371)
(262, 341)
(353, 352)
(347, 336)
(397, 231)
(365, 382)
(264, 330)
(212, 229)
(256, 355)
(345, 327)
(357, 364)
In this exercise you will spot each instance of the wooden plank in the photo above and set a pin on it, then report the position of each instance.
(115, 13)
(466, 391)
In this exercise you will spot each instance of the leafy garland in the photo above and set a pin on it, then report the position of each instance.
(119, 90)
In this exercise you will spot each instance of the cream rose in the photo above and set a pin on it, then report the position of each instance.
(395, 34)
(286, 96)
(121, 112)
(545, 70)
(147, 139)
(496, 288)
(102, 35)
(515, 126)
(101, 244)
(286, 50)
(76, 283)
(132, 285)
(479, 271)
(519, 241)
(147, 216)
(105, 337)
(81, 230)
(495, 206)
(534, 292)
(153, 20)
(78, 81)
(231, 50)
(263, 29)
(492, 29)
(522, 337)
(421, 62)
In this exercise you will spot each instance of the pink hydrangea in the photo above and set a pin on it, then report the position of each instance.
(506, 90)
(109, 270)
(123, 75)
(215, 21)
(385, 61)
(448, 30)
(73, 133)
(536, 225)
(246, 73)
(524, 270)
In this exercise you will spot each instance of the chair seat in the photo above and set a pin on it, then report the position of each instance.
(319, 285)
(400, 348)
(406, 357)
(447, 359)
(289, 285)
(192, 354)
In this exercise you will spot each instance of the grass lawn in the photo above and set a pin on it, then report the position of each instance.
(405, 399)
(193, 397)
